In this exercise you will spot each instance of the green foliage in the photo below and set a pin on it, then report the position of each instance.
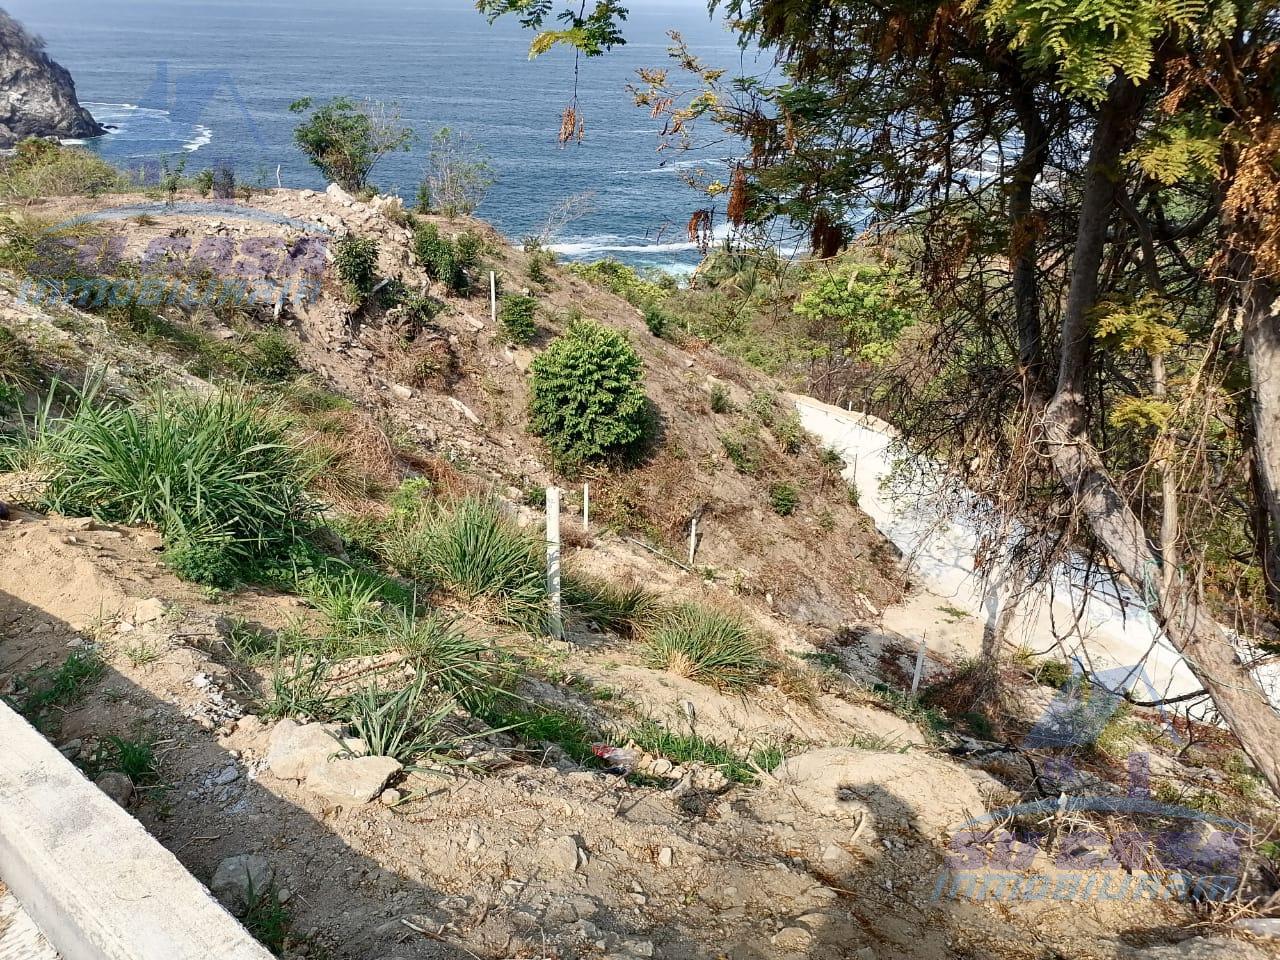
(42, 168)
(345, 140)
(625, 610)
(441, 258)
(587, 400)
(357, 261)
(709, 646)
(48, 689)
(268, 357)
(538, 724)
(516, 313)
(652, 737)
(539, 260)
(720, 402)
(1147, 324)
(267, 920)
(1187, 147)
(216, 475)
(784, 498)
(872, 305)
(1089, 43)
(656, 320)
(203, 182)
(300, 689)
(471, 549)
(590, 30)
(743, 452)
(136, 759)
(409, 722)
(458, 175)
(618, 278)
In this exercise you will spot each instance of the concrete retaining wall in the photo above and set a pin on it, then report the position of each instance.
(97, 884)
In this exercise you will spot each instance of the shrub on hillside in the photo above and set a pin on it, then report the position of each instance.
(708, 646)
(42, 168)
(516, 313)
(444, 260)
(586, 397)
(345, 139)
(458, 175)
(357, 261)
(217, 476)
(784, 498)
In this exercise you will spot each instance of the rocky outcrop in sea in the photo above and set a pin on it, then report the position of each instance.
(37, 96)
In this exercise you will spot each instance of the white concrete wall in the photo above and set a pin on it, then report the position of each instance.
(97, 884)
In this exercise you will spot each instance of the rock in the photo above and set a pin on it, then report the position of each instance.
(463, 409)
(793, 939)
(563, 853)
(666, 857)
(1260, 927)
(352, 779)
(239, 880)
(71, 749)
(390, 797)
(400, 391)
(117, 786)
(1199, 948)
(636, 948)
(150, 610)
(295, 748)
(228, 774)
(37, 96)
(338, 195)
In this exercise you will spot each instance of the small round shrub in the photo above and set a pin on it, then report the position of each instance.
(586, 397)
(655, 320)
(357, 262)
(720, 402)
(441, 258)
(784, 499)
(516, 313)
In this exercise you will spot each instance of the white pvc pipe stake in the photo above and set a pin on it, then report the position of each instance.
(693, 539)
(915, 679)
(493, 298)
(586, 506)
(555, 618)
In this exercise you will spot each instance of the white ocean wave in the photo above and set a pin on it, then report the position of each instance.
(612, 243)
(203, 136)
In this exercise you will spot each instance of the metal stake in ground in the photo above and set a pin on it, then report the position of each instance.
(555, 621)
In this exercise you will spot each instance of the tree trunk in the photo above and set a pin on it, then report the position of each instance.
(1260, 316)
(1206, 648)
(1023, 236)
(1203, 644)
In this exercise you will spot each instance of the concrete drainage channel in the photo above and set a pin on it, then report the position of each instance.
(88, 876)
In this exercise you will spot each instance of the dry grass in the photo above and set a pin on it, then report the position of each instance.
(356, 460)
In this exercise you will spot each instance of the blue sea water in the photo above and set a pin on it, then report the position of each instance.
(212, 80)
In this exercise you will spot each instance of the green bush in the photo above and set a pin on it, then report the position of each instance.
(42, 168)
(639, 290)
(269, 357)
(217, 476)
(441, 258)
(357, 261)
(516, 313)
(872, 306)
(345, 139)
(720, 402)
(708, 646)
(203, 182)
(655, 320)
(586, 397)
(784, 499)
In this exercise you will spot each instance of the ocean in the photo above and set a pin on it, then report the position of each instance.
(211, 81)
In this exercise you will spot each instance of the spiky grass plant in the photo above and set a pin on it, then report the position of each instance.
(709, 646)
(624, 609)
(214, 473)
(411, 723)
(467, 668)
(472, 550)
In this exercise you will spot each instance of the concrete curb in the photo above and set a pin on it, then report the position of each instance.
(95, 882)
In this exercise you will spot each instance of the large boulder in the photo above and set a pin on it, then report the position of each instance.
(37, 96)
(295, 748)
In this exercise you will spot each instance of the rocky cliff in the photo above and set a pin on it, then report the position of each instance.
(37, 96)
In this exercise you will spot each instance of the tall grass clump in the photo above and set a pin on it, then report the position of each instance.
(407, 722)
(708, 646)
(624, 609)
(216, 475)
(470, 549)
(42, 168)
